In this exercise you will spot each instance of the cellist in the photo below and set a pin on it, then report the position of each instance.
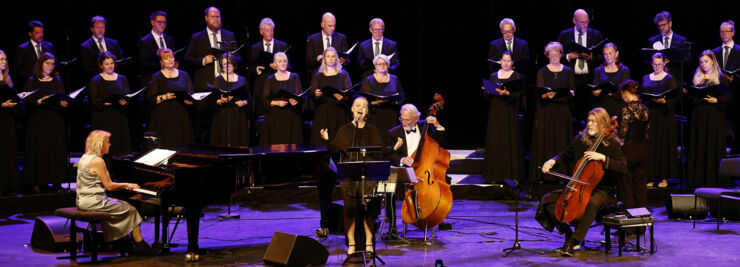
(603, 195)
(405, 138)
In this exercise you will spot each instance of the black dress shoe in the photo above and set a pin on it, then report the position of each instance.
(568, 249)
(143, 249)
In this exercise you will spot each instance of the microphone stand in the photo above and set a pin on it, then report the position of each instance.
(230, 45)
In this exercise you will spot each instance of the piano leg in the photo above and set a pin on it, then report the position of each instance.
(165, 223)
(157, 219)
(192, 218)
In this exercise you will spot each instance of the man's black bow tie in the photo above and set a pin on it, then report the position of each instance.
(411, 131)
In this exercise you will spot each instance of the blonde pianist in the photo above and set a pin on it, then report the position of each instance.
(92, 182)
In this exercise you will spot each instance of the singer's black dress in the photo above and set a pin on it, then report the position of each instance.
(282, 125)
(230, 122)
(330, 114)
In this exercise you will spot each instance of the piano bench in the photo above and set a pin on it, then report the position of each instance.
(620, 226)
(92, 218)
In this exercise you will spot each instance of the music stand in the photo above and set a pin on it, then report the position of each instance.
(398, 175)
(361, 171)
(514, 187)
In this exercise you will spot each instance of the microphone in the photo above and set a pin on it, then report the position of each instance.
(359, 115)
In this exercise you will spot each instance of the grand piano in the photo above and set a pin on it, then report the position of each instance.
(199, 175)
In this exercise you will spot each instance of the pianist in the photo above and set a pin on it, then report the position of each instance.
(92, 182)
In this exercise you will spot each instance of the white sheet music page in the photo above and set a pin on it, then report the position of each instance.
(156, 157)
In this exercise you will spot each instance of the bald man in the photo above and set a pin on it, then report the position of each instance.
(319, 41)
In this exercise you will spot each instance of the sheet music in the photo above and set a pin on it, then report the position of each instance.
(391, 55)
(201, 95)
(351, 48)
(74, 94)
(23, 95)
(658, 45)
(156, 157)
(136, 93)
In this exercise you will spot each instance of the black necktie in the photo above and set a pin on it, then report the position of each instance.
(100, 46)
(161, 42)
(411, 131)
(727, 54)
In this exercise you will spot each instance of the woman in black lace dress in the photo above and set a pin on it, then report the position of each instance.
(633, 131)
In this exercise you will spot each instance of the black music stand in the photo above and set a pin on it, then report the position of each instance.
(399, 175)
(520, 194)
(361, 171)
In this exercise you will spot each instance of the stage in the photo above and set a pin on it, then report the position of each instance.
(481, 229)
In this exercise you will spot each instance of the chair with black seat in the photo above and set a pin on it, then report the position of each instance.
(93, 218)
(727, 167)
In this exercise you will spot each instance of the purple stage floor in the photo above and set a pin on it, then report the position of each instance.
(481, 229)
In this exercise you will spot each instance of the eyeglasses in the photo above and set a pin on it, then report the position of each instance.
(507, 32)
(407, 120)
(658, 65)
(381, 64)
(161, 21)
(377, 30)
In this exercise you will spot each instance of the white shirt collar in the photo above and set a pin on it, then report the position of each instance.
(157, 36)
(210, 32)
(576, 32)
(731, 44)
(33, 43)
(670, 37)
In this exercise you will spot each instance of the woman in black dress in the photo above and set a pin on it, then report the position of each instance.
(383, 112)
(552, 125)
(356, 133)
(230, 101)
(9, 179)
(633, 132)
(170, 119)
(45, 159)
(283, 124)
(661, 102)
(707, 137)
(615, 73)
(109, 107)
(503, 155)
(331, 112)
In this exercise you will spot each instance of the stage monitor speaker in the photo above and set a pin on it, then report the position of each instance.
(51, 233)
(293, 250)
(681, 206)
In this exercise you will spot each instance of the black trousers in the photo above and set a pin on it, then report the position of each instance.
(600, 199)
(632, 187)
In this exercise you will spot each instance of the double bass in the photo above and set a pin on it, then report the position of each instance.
(572, 203)
(428, 201)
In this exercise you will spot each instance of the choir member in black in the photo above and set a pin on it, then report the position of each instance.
(197, 55)
(169, 117)
(374, 46)
(318, 42)
(150, 44)
(518, 48)
(283, 124)
(230, 125)
(9, 181)
(356, 133)
(28, 53)
(663, 133)
(503, 155)
(45, 159)
(614, 164)
(331, 110)
(98, 43)
(668, 39)
(383, 112)
(109, 111)
(552, 124)
(582, 64)
(633, 132)
(614, 72)
(260, 73)
(728, 57)
(707, 136)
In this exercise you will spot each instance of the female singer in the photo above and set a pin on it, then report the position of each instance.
(383, 113)
(46, 139)
(9, 181)
(331, 112)
(503, 156)
(663, 134)
(552, 125)
(356, 133)
(92, 182)
(633, 132)
(707, 136)
(230, 99)
(283, 124)
(170, 119)
(612, 71)
(106, 94)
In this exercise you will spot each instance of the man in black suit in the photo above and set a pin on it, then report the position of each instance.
(668, 39)
(519, 48)
(319, 41)
(259, 67)
(150, 44)
(583, 64)
(90, 49)
(728, 58)
(198, 56)
(406, 138)
(28, 53)
(374, 46)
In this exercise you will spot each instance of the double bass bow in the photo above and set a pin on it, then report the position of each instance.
(572, 203)
(428, 201)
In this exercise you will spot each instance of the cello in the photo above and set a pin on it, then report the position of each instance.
(428, 201)
(572, 203)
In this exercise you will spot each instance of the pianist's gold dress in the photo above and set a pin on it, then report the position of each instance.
(91, 197)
